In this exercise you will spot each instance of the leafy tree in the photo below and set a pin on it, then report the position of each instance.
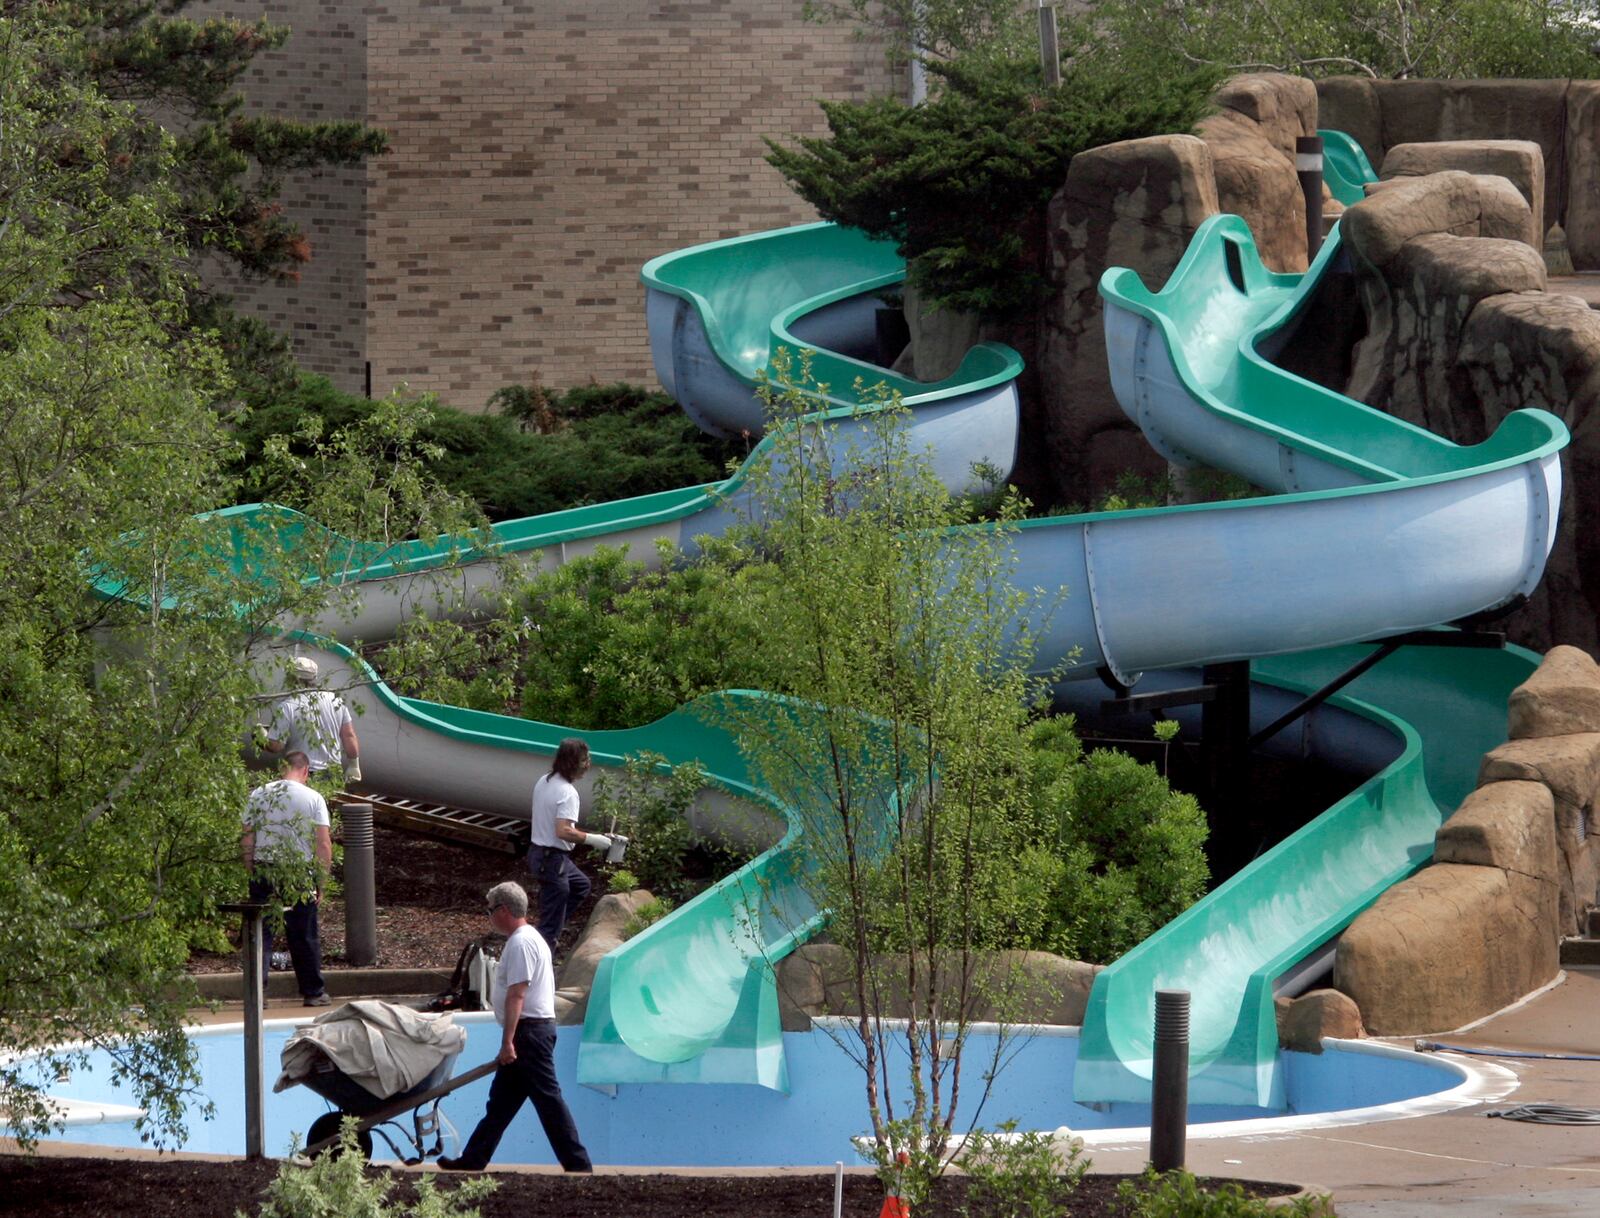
(121, 713)
(961, 181)
(898, 752)
(937, 29)
(1394, 39)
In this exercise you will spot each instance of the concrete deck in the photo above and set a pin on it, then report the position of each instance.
(1585, 285)
(1458, 1163)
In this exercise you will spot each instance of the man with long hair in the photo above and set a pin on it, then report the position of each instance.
(562, 886)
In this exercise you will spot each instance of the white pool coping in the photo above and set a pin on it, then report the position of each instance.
(1481, 1082)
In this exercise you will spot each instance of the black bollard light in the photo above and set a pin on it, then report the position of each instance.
(1308, 167)
(360, 897)
(1169, 1081)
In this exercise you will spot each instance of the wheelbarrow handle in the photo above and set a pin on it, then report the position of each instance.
(390, 1111)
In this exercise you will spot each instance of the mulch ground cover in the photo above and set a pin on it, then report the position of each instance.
(92, 1188)
(430, 903)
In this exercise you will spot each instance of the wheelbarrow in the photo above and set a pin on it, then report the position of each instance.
(382, 1116)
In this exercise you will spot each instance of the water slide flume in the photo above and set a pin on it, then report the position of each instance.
(1448, 531)
(1382, 528)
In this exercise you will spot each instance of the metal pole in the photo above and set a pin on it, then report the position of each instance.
(360, 900)
(838, 1188)
(255, 1093)
(1308, 166)
(1049, 44)
(1169, 1081)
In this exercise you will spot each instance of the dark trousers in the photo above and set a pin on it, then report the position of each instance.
(531, 1077)
(305, 946)
(562, 888)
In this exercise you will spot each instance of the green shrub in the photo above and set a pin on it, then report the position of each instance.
(650, 803)
(1019, 1175)
(617, 646)
(1120, 853)
(472, 665)
(1178, 1194)
(648, 914)
(339, 1183)
(622, 880)
(605, 442)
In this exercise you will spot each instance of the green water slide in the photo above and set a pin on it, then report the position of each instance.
(1345, 167)
(1375, 527)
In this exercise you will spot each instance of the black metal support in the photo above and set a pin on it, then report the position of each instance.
(1308, 167)
(1169, 1082)
(1473, 639)
(1225, 730)
(255, 1095)
(1191, 695)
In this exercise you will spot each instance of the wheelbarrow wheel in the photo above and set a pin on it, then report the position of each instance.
(327, 1126)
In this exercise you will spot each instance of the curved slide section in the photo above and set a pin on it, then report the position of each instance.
(1345, 167)
(717, 314)
(1379, 528)
(1189, 367)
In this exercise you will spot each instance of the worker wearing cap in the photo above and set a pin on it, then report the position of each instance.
(315, 722)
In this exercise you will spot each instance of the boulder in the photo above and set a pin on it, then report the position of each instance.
(1518, 161)
(1509, 825)
(1252, 141)
(1562, 698)
(1447, 946)
(1580, 201)
(601, 934)
(1462, 204)
(1304, 1021)
(1017, 987)
(1135, 203)
(1570, 767)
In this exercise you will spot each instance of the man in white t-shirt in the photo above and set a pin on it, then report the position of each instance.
(562, 886)
(286, 829)
(315, 722)
(524, 1001)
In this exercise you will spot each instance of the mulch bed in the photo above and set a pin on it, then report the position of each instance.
(430, 903)
(63, 1187)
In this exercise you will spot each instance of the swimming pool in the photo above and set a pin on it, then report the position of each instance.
(746, 1126)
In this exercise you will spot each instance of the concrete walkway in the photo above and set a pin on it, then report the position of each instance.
(1460, 1163)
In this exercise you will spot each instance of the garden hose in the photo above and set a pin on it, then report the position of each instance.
(1548, 1114)
(1424, 1046)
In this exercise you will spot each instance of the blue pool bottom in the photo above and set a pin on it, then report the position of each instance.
(735, 1125)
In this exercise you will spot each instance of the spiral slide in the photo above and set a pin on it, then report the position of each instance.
(1375, 528)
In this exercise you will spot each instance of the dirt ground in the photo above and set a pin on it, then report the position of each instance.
(430, 903)
(91, 1188)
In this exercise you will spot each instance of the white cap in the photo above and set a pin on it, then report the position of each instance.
(305, 669)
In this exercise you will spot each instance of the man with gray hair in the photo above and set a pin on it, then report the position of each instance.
(524, 1001)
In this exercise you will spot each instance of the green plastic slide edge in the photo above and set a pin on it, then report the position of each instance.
(1345, 167)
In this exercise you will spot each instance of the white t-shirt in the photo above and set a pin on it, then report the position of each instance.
(284, 816)
(554, 798)
(526, 958)
(310, 722)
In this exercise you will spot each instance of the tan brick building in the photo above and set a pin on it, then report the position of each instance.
(541, 152)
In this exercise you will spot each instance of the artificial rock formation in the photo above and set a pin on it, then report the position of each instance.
(1520, 162)
(1460, 333)
(1304, 1021)
(1516, 869)
(602, 933)
(1025, 987)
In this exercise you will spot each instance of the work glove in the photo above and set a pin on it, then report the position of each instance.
(352, 770)
(597, 840)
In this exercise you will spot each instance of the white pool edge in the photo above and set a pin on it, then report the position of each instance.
(1481, 1083)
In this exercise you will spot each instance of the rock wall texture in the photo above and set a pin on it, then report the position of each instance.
(1561, 116)
(1515, 869)
(1460, 333)
(541, 152)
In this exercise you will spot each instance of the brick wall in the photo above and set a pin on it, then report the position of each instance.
(318, 75)
(541, 152)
